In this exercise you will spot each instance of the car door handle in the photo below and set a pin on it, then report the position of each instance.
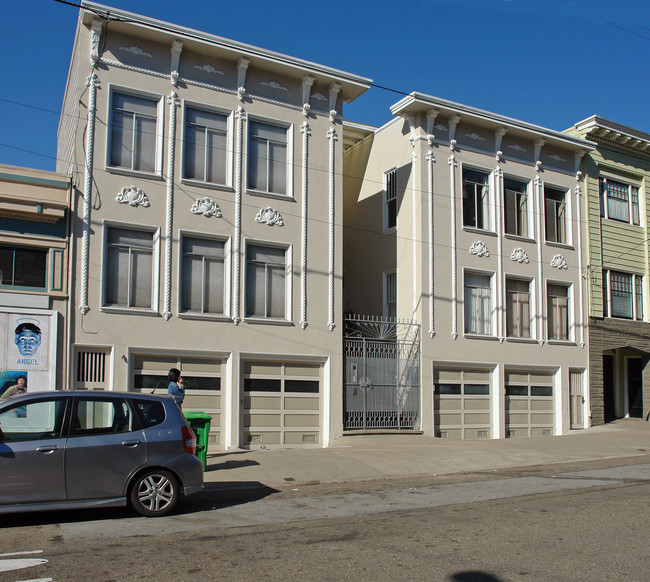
(47, 450)
(133, 443)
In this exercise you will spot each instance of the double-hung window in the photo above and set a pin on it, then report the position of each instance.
(619, 201)
(390, 199)
(203, 276)
(558, 311)
(129, 268)
(268, 148)
(518, 308)
(555, 208)
(206, 146)
(476, 199)
(23, 268)
(622, 295)
(516, 207)
(266, 282)
(478, 303)
(134, 133)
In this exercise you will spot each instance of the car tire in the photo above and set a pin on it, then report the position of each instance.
(155, 493)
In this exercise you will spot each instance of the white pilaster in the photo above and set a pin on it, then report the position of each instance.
(454, 250)
(93, 84)
(173, 101)
(332, 136)
(240, 117)
(430, 161)
(306, 133)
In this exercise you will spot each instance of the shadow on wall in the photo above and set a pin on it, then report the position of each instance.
(474, 576)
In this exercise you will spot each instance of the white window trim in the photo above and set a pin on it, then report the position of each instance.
(530, 202)
(568, 198)
(112, 89)
(491, 205)
(531, 305)
(607, 281)
(384, 199)
(288, 273)
(230, 147)
(493, 303)
(604, 209)
(155, 277)
(290, 161)
(227, 278)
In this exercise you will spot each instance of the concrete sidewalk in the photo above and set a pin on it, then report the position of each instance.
(363, 457)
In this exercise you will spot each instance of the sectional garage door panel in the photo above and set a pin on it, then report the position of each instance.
(462, 403)
(529, 404)
(282, 404)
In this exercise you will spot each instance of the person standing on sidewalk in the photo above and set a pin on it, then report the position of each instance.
(176, 389)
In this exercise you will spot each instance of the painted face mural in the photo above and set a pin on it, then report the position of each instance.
(28, 338)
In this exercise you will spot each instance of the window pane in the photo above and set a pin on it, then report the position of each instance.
(558, 312)
(122, 139)
(478, 304)
(451, 389)
(555, 215)
(30, 268)
(194, 153)
(262, 385)
(278, 168)
(35, 420)
(117, 277)
(214, 286)
(541, 391)
(216, 158)
(6, 266)
(305, 386)
(621, 294)
(639, 297)
(145, 145)
(516, 390)
(257, 162)
(477, 389)
(617, 201)
(141, 277)
(192, 283)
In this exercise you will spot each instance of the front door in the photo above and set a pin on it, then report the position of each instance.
(635, 387)
(32, 452)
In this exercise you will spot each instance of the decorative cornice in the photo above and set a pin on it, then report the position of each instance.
(479, 248)
(133, 196)
(269, 216)
(559, 262)
(519, 256)
(206, 207)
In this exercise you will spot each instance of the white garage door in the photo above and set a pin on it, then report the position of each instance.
(529, 403)
(282, 404)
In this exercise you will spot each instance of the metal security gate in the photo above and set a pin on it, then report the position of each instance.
(382, 374)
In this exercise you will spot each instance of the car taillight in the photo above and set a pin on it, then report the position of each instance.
(189, 440)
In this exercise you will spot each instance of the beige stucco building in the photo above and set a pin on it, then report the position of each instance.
(34, 227)
(208, 214)
(469, 223)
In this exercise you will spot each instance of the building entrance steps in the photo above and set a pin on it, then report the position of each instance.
(366, 457)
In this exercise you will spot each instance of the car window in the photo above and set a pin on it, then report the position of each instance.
(32, 421)
(92, 416)
(150, 412)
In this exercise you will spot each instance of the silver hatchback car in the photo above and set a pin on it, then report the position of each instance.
(95, 449)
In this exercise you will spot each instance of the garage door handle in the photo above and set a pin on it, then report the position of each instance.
(47, 450)
(131, 444)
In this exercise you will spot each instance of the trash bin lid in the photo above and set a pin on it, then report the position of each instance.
(191, 414)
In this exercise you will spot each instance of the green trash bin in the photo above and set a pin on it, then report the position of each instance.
(200, 425)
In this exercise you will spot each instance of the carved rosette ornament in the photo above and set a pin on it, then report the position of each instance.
(206, 207)
(479, 248)
(559, 262)
(269, 216)
(519, 256)
(133, 196)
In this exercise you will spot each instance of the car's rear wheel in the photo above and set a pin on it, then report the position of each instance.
(155, 493)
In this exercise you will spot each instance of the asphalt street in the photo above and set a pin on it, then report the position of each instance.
(579, 521)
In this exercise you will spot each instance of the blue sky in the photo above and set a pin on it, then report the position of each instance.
(548, 62)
